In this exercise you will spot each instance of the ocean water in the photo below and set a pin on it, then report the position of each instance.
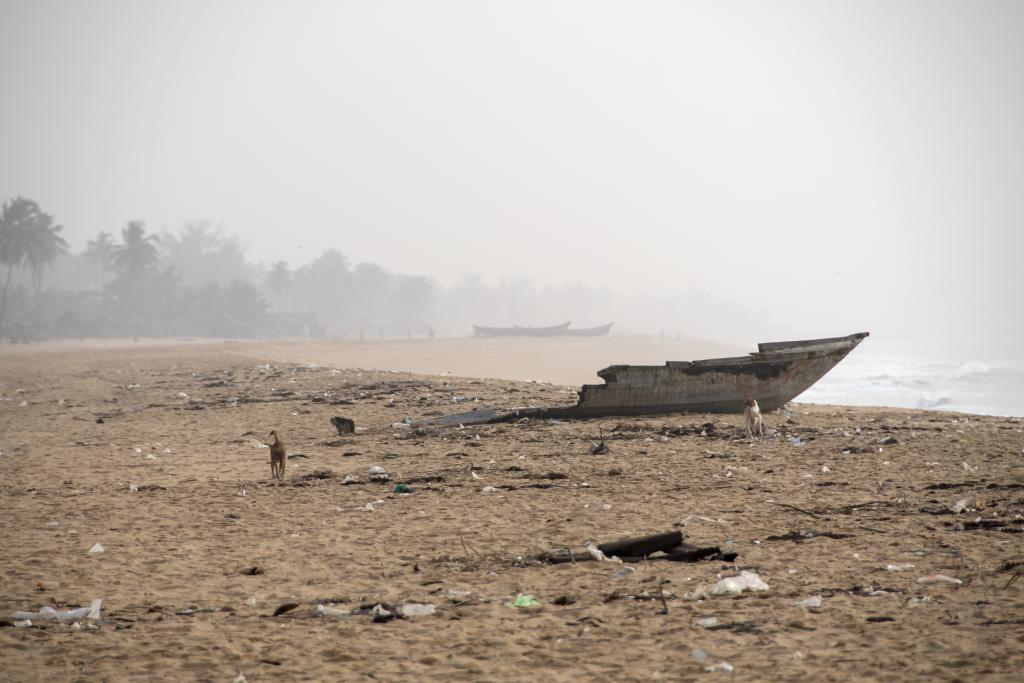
(894, 376)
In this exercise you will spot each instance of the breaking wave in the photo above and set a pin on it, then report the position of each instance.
(869, 377)
(973, 368)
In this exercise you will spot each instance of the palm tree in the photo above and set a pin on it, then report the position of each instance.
(42, 247)
(138, 253)
(17, 219)
(279, 278)
(133, 259)
(101, 252)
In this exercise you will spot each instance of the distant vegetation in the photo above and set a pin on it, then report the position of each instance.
(131, 282)
(195, 282)
(28, 238)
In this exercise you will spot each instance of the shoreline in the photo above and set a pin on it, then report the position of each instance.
(565, 362)
(157, 456)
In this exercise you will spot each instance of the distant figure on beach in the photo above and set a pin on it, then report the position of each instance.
(752, 412)
(277, 457)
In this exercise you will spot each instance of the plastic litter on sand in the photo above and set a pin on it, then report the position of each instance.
(413, 609)
(813, 601)
(598, 555)
(525, 602)
(746, 581)
(939, 578)
(333, 612)
(49, 613)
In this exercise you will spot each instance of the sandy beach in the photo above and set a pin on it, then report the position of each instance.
(156, 453)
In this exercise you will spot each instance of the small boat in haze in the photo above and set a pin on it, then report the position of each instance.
(562, 330)
(598, 331)
(517, 331)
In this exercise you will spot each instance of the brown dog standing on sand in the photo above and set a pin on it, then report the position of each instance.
(753, 414)
(277, 457)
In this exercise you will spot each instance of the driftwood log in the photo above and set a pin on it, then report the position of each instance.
(642, 545)
(641, 548)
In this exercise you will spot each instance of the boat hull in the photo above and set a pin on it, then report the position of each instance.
(520, 331)
(775, 374)
(598, 331)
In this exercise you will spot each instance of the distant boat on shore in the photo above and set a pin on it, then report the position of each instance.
(552, 331)
(598, 331)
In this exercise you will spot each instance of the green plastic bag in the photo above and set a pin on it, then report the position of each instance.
(525, 602)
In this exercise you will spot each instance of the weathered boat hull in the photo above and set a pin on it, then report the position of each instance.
(775, 374)
(517, 331)
(598, 331)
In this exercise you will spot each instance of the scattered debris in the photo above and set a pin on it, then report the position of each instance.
(315, 475)
(343, 425)
(746, 581)
(286, 607)
(48, 613)
(1008, 526)
(381, 614)
(328, 611)
(412, 609)
(967, 504)
(596, 554)
(801, 536)
(939, 578)
(639, 549)
(525, 602)
(700, 657)
(811, 602)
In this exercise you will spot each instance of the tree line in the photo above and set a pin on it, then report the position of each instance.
(197, 281)
(193, 282)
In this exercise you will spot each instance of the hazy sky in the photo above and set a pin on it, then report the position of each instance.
(845, 165)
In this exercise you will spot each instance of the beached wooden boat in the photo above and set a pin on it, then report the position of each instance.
(598, 331)
(516, 331)
(562, 330)
(775, 374)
